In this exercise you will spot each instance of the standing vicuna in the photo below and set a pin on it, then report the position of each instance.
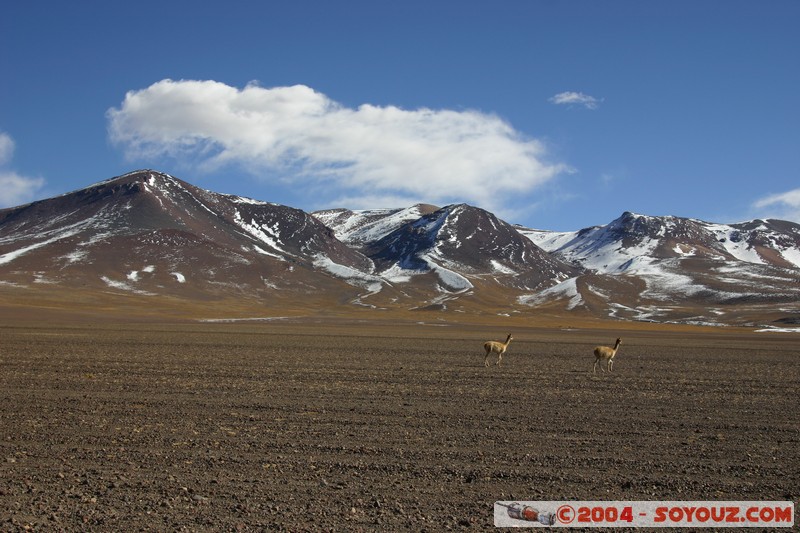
(604, 352)
(497, 347)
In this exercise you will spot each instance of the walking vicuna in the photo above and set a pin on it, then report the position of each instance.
(604, 352)
(497, 347)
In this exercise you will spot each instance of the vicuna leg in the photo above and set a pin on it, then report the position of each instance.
(599, 363)
(499, 358)
(486, 359)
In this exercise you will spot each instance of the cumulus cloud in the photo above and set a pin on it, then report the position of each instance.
(574, 98)
(6, 148)
(784, 206)
(307, 138)
(15, 189)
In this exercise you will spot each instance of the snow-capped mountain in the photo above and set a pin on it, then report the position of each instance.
(152, 235)
(632, 239)
(648, 267)
(462, 244)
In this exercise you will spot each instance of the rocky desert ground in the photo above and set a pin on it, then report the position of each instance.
(336, 425)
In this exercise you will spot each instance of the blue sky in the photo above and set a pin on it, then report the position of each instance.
(554, 115)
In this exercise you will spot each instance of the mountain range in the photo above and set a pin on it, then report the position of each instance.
(152, 238)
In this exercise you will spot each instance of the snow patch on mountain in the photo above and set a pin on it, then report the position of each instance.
(397, 274)
(663, 283)
(792, 255)
(452, 280)
(738, 274)
(778, 330)
(268, 235)
(121, 285)
(10, 256)
(567, 289)
(734, 243)
(500, 268)
(352, 276)
(547, 240)
(75, 257)
(264, 252)
(361, 227)
(248, 201)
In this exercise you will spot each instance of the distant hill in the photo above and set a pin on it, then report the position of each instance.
(153, 236)
(671, 268)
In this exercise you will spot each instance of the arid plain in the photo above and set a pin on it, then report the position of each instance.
(313, 424)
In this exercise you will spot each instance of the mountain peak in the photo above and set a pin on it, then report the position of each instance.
(137, 176)
(149, 219)
(468, 240)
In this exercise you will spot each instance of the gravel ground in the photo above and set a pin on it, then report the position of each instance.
(350, 427)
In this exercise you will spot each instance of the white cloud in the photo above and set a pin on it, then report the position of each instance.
(15, 189)
(311, 140)
(6, 148)
(785, 206)
(573, 98)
